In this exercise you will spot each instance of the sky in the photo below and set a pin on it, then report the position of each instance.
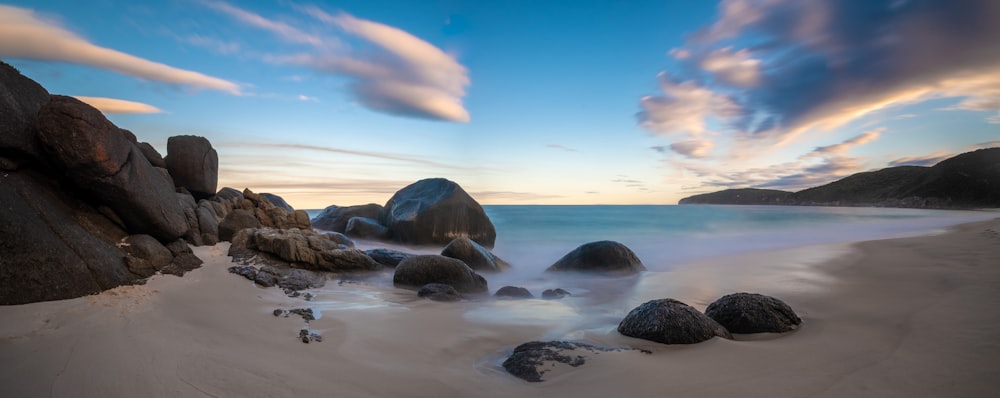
(528, 102)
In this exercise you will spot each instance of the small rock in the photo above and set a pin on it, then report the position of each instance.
(439, 292)
(753, 313)
(555, 294)
(514, 292)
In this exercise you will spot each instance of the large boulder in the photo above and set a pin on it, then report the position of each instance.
(20, 100)
(474, 255)
(303, 249)
(753, 313)
(99, 159)
(669, 321)
(277, 201)
(53, 247)
(193, 164)
(418, 271)
(604, 257)
(366, 228)
(235, 221)
(434, 212)
(335, 218)
(154, 157)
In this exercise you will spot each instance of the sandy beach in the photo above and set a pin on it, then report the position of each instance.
(903, 317)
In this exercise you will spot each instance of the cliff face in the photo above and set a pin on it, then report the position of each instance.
(969, 180)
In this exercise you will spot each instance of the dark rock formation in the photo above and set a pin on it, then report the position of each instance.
(669, 321)
(439, 292)
(145, 255)
(753, 313)
(235, 221)
(605, 257)
(968, 180)
(474, 255)
(555, 294)
(272, 216)
(417, 271)
(277, 201)
(154, 157)
(228, 194)
(20, 100)
(513, 292)
(193, 164)
(342, 241)
(530, 361)
(287, 278)
(434, 212)
(387, 257)
(306, 313)
(335, 218)
(98, 158)
(366, 228)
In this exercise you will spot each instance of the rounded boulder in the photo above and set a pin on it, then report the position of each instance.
(435, 211)
(669, 321)
(418, 271)
(600, 257)
(753, 313)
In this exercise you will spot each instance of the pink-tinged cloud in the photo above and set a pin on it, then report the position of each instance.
(282, 29)
(118, 106)
(25, 35)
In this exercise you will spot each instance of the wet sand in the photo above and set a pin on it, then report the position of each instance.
(902, 317)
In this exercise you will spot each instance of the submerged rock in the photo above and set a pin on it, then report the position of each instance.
(753, 313)
(439, 292)
(669, 321)
(513, 292)
(555, 294)
(435, 211)
(474, 255)
(418, 271)
(387, 257)
(366, 228)
(530, 361)
(604, 257)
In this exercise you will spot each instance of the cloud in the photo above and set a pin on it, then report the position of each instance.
(25, 35)
(216, 45)
(791, 66)
(303, 97)
(692, 148)
(118, 106)
(561, 147)
(684, 109)
(926, 160)
(342, 151)
(988, 144)
(400, 75)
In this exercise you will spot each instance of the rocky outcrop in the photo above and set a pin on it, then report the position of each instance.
(605, 257)
(20, 100)
(434, 212)
(475, 256)
(100, 160)
(513, 292)
(284, 277)
(417, 271)
(236, 221)
(193, 164)
(335, 218)
(387, 257)
(753, 313)
(303, 249)
(669, 321)
(439, 292)
(277, 201)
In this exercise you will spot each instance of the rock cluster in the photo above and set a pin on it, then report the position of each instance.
(432, 211)
(300, 248)
(86, 206)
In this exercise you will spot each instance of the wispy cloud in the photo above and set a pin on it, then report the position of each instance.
(118, 106)
(351, 152)
(925, 160)
(561, 147)
(402, 75)
(25, 35)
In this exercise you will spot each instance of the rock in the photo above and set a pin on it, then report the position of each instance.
(306, 313)
(669, 321)
(193, 164)
(265, 279)
(346, 260)
(387, 257)
(474, 255)
(245, 271)
(439, 292)
(304, 249)
(342, 241)
(753, 313)
(420, 270)
(366, 228)
(235, 221)
(335, 218)
(98, 158)
(20, 100)
(151, 155)
(434, 212)
(530, 361)
(604, 257)
(228, 194)
(278, 201)
(555, 294)
(272, 216)
(208, 225)
(145, 255)
(53, 246)
(513, 292)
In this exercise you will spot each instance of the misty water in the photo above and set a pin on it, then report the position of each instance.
(670, 240)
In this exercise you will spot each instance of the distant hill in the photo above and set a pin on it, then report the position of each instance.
(969, 180)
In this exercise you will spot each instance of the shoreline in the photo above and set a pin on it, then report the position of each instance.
(907, 316)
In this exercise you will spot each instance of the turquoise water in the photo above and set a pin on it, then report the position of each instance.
(664, 236)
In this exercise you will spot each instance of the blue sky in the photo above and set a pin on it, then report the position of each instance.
(551, 102)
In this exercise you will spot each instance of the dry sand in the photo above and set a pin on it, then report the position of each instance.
(905, 317)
